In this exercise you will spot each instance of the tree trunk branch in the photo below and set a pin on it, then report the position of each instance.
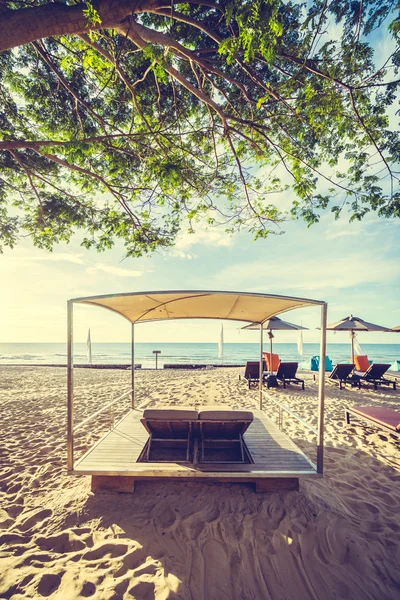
(24, 25)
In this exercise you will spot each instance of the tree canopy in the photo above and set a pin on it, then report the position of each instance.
(130, 119)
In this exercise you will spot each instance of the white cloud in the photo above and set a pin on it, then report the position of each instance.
(57, 257)
(179, 254)
(344, 232)
(118, 271)
(313, 274)
(205, 237)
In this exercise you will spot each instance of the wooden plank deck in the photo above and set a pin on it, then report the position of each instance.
(273, 453)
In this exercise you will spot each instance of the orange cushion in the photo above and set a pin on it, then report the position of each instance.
(275, 361)
(362, 363)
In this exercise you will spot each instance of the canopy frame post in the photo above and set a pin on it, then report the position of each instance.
(321, 391)
(133, 363)
(70, 387)
(261, 367)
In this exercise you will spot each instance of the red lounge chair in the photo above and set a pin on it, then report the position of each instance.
(375, 375)
(341, 374)
(384, 418)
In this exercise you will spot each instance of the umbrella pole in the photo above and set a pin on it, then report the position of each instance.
(261, 365)
(352, 347)
(270, 351)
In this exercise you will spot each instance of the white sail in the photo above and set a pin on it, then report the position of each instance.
(89, 348)
(221, 345)
(357, 348)
(300, 347)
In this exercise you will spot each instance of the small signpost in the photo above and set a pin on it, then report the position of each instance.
(156, 352)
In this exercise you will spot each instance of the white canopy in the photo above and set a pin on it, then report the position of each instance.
(142, 307)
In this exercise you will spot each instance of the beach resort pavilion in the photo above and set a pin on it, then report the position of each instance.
(118, 458)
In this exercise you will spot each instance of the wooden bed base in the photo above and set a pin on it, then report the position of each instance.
(126, 485)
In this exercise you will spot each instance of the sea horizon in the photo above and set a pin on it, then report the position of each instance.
(110, 353)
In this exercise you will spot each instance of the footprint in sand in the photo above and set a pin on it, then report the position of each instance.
(61, 543)
(217, 572)
(5, 519)
(34, 519)
(14, 510)
(106, 551)
(131, 561)
(164, 515)
(143, 591)
(49, 583)
(88, 589)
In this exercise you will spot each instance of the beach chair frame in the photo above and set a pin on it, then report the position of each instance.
(368, 376)
(285, 380)
(253, 378)
(336, 377)
(216, 440)
(181, 424)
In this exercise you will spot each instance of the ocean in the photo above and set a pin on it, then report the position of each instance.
(193, 353)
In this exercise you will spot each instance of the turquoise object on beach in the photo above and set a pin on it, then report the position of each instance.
(395, 366)
(314, 363)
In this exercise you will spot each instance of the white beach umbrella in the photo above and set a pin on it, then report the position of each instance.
(300, 347)
(273, 324)
(221, 345)
(354, 324)
(89, 348)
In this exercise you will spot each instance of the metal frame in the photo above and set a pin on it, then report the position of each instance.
(89, 300)
(70, 387)
(261, 365)
(133, 363)
(321, 391)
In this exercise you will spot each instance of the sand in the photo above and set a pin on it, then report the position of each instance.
(337, 538)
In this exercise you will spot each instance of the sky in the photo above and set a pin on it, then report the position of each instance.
(355, 267)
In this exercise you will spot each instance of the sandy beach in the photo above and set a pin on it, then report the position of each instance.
(337, 538)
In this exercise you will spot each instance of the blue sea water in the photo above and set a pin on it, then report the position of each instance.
(193, 353)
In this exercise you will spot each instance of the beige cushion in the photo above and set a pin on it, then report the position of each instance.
(170, 414)
(221, 413)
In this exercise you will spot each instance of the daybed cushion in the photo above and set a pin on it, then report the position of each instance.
(362, 363)
(170, 414)
(210, 413)
(385, 416)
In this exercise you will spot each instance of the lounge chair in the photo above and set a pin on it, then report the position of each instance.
(275, 362)
(169, 426)
(252, 372)
(375, 375)
(222, 428)
(384, 418)
(287, 374)
(342, 374)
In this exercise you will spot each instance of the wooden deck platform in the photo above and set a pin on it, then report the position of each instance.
(274, 456)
